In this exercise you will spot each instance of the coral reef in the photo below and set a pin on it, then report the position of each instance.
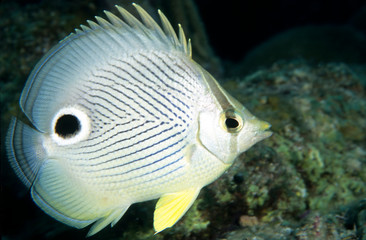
(315, 161)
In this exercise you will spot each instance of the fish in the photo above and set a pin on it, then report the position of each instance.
(119, 113)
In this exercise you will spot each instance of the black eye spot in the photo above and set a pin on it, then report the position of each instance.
(231, 123)
(67, 126)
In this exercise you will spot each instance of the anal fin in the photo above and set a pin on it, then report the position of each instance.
(112, 219)
(62, 196)
(171, 207)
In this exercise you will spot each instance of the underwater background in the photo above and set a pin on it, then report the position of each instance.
(300, 65)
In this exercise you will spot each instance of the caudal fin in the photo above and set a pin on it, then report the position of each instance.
(25, 151)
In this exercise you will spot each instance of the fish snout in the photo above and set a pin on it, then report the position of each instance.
(261, 129)
(254, 131)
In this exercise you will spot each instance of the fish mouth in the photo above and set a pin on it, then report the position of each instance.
(266, 134)
(262, 130)
(265, 128)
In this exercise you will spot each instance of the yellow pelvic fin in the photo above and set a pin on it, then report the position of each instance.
(171, 207)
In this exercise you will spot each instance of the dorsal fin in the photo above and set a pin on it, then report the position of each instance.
(146, 25)
(78, 55)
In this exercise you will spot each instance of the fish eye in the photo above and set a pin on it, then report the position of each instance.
(70, 125)
(231, 121)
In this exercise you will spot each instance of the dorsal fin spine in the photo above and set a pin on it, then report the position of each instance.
(168, 29)
(182, 38)
(102, 22)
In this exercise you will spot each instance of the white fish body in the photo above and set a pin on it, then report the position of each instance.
(122, 114)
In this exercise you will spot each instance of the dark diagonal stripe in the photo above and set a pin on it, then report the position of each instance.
(138, 96)
(146, 157)
(169, 76)
(119, 100)
(150, 88)
(153, 172)
(119, 141)
(134, 145)
(183, 93)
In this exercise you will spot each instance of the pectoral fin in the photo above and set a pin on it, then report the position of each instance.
(171, 207)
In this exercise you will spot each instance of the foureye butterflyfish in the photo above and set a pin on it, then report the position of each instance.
(121, 114)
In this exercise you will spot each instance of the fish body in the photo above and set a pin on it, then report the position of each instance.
(122, 114)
